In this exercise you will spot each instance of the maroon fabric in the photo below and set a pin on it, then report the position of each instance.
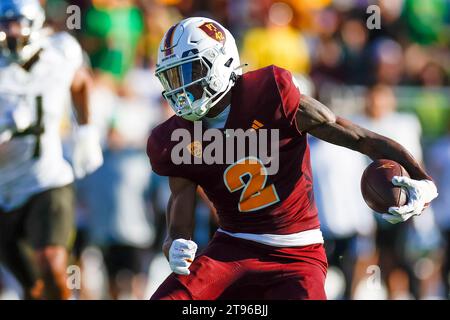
(232, 268)
(268, 96)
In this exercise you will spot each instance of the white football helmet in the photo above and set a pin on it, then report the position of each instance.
(198, 63)
(21, 23)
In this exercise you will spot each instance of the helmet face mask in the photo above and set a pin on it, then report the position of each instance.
(20, 24)
(186, 87)
(198, 70)
(15, 34)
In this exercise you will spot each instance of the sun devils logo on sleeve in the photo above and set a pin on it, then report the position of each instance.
(214, 31)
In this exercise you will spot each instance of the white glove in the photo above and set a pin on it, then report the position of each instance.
(420, 194)
(181, 254)
(87, 152)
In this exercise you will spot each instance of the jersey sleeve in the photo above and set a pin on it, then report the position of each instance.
(158, 152)
(290, 95)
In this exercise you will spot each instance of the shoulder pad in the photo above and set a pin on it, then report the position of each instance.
(69, 47)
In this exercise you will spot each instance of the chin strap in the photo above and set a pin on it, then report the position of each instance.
(230, 85)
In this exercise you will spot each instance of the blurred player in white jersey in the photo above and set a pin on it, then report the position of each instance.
(39, 72)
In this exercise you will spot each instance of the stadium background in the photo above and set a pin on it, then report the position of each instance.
(394, 80)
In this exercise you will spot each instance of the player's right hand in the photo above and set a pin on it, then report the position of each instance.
(181, 255)
(87, 153)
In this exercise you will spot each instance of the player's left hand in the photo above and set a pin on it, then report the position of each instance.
(420, 194)
(87, 153)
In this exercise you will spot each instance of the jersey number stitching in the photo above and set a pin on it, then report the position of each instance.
(255, 195)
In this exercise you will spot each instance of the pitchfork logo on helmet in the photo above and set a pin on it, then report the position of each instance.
(214, 31)
(198, 62)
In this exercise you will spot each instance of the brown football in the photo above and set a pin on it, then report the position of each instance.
(377, 188)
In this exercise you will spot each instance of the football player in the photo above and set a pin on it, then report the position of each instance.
(39, 70)
(269, 244)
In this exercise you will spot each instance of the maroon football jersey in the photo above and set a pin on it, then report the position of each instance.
(247, 200)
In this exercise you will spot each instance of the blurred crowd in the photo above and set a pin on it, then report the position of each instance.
(386, 68)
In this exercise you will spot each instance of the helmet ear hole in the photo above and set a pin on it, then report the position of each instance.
(215, 84)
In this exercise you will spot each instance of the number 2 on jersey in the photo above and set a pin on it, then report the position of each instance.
(256, 195)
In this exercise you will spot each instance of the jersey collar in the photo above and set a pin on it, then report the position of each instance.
(218, 121)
